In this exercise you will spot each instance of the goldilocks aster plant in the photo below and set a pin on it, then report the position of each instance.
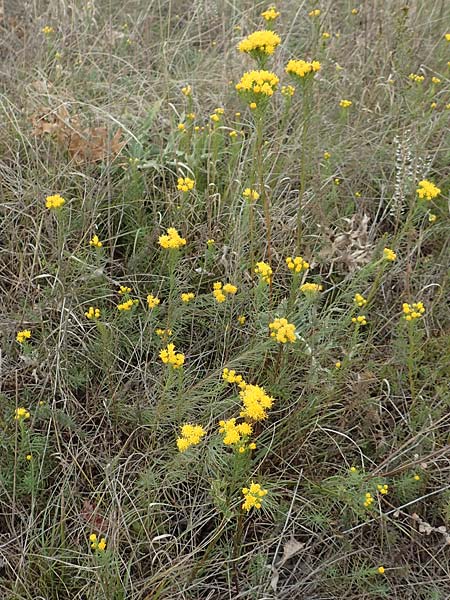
(223, 349)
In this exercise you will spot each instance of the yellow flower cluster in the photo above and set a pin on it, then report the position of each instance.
(258, 82)
(163, 332)
(311, 288)
(152, 301)
(21, 414)
(288, 90)
(282, 331)
(23, 335)
(345, 103)
(368, 500)
(96, 242)
(185, 184)
(413, 311)
(47, 30)
(435, 80)
(172, 240)
(389, 254)
(241, 319)
(186, 90)
(170, 357)
(301, 68)
(127, 305)
(270, 14)
(260, 42)
(264, 271)
(92, 313)
(255, 402)
(416, 78)
(229, 375)
(297, 264)
(220, 291)
(253, 496)
(97, 544)
(234, 432)
(250, 194)
(383, 489)
(427, 190)
(359, 300)
(55, 201)
(361, 320)
(124, 290)
(187, 297)
(191, 435)
(314, 13)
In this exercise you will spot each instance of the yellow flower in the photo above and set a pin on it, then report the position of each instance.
(172, 240)
(389, 254)
(355, 11)
(190, 116)
(380, 570)
(325, 35)
(264, 271)
(220, 291)
(427, 190)
(23, 335)
(191, 435)
(253, 105)
(368, 500)
(297, 264)
(259, 42)
(337, 181)
(435, 80)
(97, 544)
(311, 288)
(416, 78)
(361, 320)
(229, 375)
(181, 127)
(314, 13)
(187, 297)
(233, 133)
(215, 117)
(447, 37)
(270, 14)
(124, 290)
(338, 364)
(263, 83)
(95, 242)
(288, 90)
(185, 184)
(47, 30)
(353, 470)
(29, 457)
(55, 201)
(186, 90)
(219, 111)
(383, 489)
(241, 319)
(345, 103)
(433, 105)
(229, 288)
(93, 313)
(432, 218)
(282, 331)
(21, 414)
(127, 305)
(163, 332)
(255, 402)
(301, 68)
(233, 433)
(416, 477)
(210, 242)
(152, 301)
(359, 300)
(101, 545)
(413, 311)
(253, 496)
(326, 155)
(172, 358)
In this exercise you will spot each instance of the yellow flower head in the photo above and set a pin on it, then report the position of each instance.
(255, 402)
(345, 103)
(311, 288)
(172, 358)
(413, 311)
(383, 489)
(427, 190)
(21, 414)
(185, 184)
(288, 90)
(359, 300)
(215, 117)
(181, 127)
(47, 30)
(250, 194)
(264, 271)
(259, 42)
(253, 496)
(92, 313)
(381, 570)
(241, 319)
(270, 14)
(432, 218)
(187, 297)
(354, 11)
(325, 35)
(297, 264)
(258, 84)
(152, 301)
(326, 155)
(314, 13)
(416, 78)
(447, 37)
(435, 80)
(163, 332)
(23, 335)
(389, 255)
(127, 305)
(55, 201)
(171, 240)
(282, 331)
(361, 320)
(124, 290)
(191, 435)
(186, 90)
(220, 291)
(230, 376)
(97, 544)
(95, 242)
(301, 68)
(233, 432)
